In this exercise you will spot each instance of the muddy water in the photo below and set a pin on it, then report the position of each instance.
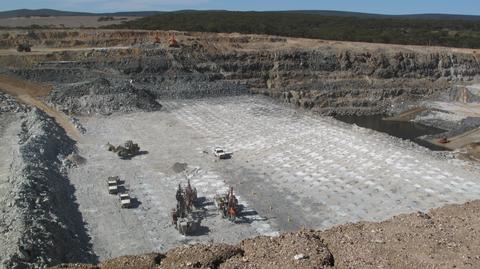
(401, 129)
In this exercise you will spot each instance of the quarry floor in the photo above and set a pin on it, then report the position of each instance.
(290, 170)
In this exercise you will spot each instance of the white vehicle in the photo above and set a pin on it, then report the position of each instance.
(114, 178)
(125, 200)
(221, 154)
(112, 186)
(113, 189)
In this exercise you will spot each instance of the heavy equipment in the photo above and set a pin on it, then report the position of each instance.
(227, 205)
(184, 217)
(128, 150)
(443, 140)
(172, 41)
(157, 38)
(24, 47)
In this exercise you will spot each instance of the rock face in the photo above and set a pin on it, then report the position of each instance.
(44, 226)
(329, 77)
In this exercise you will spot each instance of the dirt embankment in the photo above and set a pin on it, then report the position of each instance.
(325, 76)
(442, 238)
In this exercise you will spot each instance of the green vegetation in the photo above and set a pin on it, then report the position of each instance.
(452, 33)
(106, 18)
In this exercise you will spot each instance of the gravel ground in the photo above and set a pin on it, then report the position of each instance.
(152, 181)
(290, 170)
(442, 238)
(446, 237)
(317, 172)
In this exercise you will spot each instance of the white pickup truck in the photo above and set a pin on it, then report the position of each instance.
(112, 185)
(125, 200)
(221, 154)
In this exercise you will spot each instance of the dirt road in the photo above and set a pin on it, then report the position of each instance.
(29, 93)
(43, 50)
(407, 115)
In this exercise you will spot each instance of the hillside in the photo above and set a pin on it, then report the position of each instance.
(429, 16)
(430, 32)
(53, 12)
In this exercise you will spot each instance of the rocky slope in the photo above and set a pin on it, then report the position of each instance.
(41, 224)
(9, 104)
(329, 77)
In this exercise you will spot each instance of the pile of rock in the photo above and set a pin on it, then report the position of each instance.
(9, 104)
(102, 97)
(42, 225)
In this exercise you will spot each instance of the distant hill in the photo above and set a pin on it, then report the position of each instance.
(381, 16)
(56, 13)
(53, 12)
(453, 31)
(417, 29)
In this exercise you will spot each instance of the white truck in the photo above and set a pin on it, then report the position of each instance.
(125, 200)
(221, 154)
(112, 183)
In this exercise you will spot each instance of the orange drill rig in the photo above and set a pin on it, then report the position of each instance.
(227, 205)
(172, 41)
(157, 38)
(232, 205)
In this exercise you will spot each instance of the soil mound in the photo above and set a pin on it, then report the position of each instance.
(199, 256)
(291, 250)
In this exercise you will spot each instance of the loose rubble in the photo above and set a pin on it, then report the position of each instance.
(101, 97)
(44, 226)
(9, 104)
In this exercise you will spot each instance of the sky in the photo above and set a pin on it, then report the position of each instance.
(470, 7)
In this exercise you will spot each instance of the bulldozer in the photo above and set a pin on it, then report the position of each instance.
(128, 150)
(184, 217)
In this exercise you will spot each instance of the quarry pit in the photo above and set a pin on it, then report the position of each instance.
(269, 100)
